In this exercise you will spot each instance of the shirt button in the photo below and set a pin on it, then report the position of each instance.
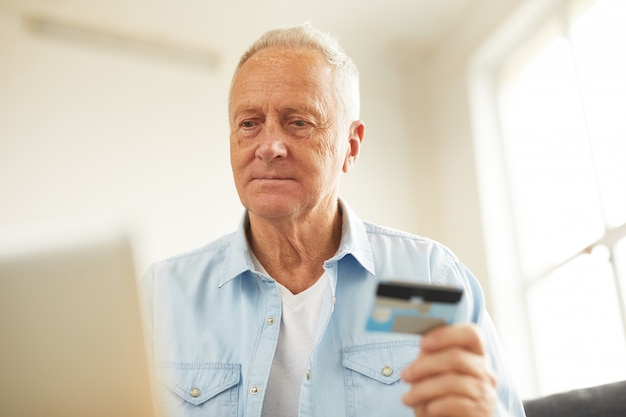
(254, 389)
(194, 392)
(270, 321)
(308, 375)
(387, 371)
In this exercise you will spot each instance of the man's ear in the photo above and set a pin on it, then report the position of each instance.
(357, 132)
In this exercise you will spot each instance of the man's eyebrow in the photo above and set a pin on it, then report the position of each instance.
(245, 110)
(303, 108)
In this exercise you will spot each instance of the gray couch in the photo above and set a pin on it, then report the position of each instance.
(600, 401)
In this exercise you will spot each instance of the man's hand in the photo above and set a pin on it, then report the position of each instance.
(452, 376)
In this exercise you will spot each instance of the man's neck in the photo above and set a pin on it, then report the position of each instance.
(293, 251)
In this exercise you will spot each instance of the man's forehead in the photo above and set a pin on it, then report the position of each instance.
(291, 78)
(285, 63)
(299, 101)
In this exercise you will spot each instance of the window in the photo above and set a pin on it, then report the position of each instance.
(558, 101)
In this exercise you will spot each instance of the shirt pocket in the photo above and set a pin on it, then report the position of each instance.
(200, 389)
(372, 375)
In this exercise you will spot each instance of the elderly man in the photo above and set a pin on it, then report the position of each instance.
(270, 320)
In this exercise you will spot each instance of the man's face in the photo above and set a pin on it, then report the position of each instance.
(289, 138)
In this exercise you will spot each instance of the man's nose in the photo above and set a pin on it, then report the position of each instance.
(272, 142)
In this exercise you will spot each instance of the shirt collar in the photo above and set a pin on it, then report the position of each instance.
(353, 242)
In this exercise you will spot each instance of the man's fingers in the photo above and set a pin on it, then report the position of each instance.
(462, 335)
(452, 360)
(448, 385)
(451, 376)
(451, 395)
(453, 406)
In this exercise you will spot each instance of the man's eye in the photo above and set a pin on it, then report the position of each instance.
(247, 124)
(300, 123)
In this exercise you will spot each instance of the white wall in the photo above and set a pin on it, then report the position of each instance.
(93, 133)
(446, 178)
(87, 132)
(441, 80)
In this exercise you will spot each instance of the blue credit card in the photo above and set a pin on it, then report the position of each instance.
(405, 307)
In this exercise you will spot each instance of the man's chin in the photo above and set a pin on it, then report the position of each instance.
(272, 210)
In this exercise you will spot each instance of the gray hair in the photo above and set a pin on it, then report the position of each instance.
(305, 36)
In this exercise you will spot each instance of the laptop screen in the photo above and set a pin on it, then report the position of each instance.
(71, 339)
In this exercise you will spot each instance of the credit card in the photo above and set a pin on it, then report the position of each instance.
(405, 307)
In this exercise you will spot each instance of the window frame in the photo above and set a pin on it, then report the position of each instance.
(508, 283)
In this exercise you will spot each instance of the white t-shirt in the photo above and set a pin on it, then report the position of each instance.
(298, 331)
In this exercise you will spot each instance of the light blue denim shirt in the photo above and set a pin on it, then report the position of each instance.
(214, 323)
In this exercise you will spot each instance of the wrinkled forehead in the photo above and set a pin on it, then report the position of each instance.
(284, 60)
(282, 70)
